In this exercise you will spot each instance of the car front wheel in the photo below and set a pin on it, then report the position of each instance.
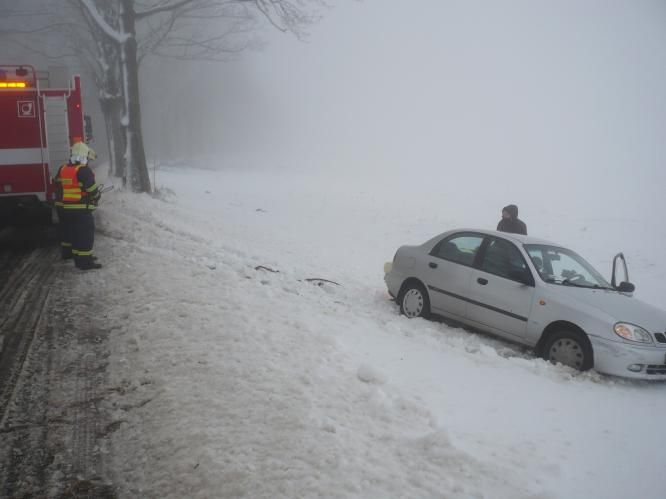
(570, 348)
(414, 301)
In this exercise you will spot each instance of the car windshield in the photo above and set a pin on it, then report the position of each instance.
(562, 266)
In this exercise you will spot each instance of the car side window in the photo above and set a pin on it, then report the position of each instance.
(505, 260)
(460, 248)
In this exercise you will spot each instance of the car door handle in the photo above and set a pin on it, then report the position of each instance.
(482, 281)
(432, 265)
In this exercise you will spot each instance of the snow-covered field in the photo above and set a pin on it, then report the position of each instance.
(233, 380)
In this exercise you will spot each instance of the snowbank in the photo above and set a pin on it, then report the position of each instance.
(233, 374)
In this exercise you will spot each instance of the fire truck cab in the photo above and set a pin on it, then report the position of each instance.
(40, 118)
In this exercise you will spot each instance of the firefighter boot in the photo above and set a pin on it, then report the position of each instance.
(89, 265)
(66, 253)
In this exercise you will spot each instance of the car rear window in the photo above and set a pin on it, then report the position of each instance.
(459, 248)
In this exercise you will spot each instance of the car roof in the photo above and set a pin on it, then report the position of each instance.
(518, 238)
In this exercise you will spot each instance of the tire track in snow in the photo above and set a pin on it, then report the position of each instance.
(52, 368)
(22, 304)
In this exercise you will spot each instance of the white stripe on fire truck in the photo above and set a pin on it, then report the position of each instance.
(30, 156)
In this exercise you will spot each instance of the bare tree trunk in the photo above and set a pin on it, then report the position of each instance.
(107, 76)
(112, 109)
(119, 142)
(112, 104)
(136, 169)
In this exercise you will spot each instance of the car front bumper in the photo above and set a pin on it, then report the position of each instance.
(616, 358)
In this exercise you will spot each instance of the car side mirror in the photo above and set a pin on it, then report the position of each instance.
(626, 287)
(614, 279)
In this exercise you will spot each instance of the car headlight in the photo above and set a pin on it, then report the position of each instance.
(632, 332)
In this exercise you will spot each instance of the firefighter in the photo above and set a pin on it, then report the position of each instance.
(64, 227)
(79, 197)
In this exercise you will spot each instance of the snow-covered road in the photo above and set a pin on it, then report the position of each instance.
(234, 381)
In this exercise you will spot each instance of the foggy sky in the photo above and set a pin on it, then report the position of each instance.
(563, 99)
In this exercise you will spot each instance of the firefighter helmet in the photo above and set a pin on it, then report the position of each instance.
(79, 154)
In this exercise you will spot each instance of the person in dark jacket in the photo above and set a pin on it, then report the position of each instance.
(510, 221)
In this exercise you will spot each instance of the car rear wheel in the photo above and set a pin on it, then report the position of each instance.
(414, 301)
(570, 348)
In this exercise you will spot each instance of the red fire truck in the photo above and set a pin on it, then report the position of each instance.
(40, 116)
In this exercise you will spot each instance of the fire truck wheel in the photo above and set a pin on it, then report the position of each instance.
(46, 216)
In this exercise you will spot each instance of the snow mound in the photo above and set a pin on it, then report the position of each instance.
(369, 374)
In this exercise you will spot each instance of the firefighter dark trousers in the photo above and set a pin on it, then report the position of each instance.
(83, 233)
(65, 232)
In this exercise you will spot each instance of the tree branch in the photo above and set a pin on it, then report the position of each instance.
(116, 36)
(163, 8)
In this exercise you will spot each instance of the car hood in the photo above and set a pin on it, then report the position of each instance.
(622, 307)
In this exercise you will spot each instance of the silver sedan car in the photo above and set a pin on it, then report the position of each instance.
(532, 292)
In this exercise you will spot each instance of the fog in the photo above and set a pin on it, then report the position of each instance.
(524, 101)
